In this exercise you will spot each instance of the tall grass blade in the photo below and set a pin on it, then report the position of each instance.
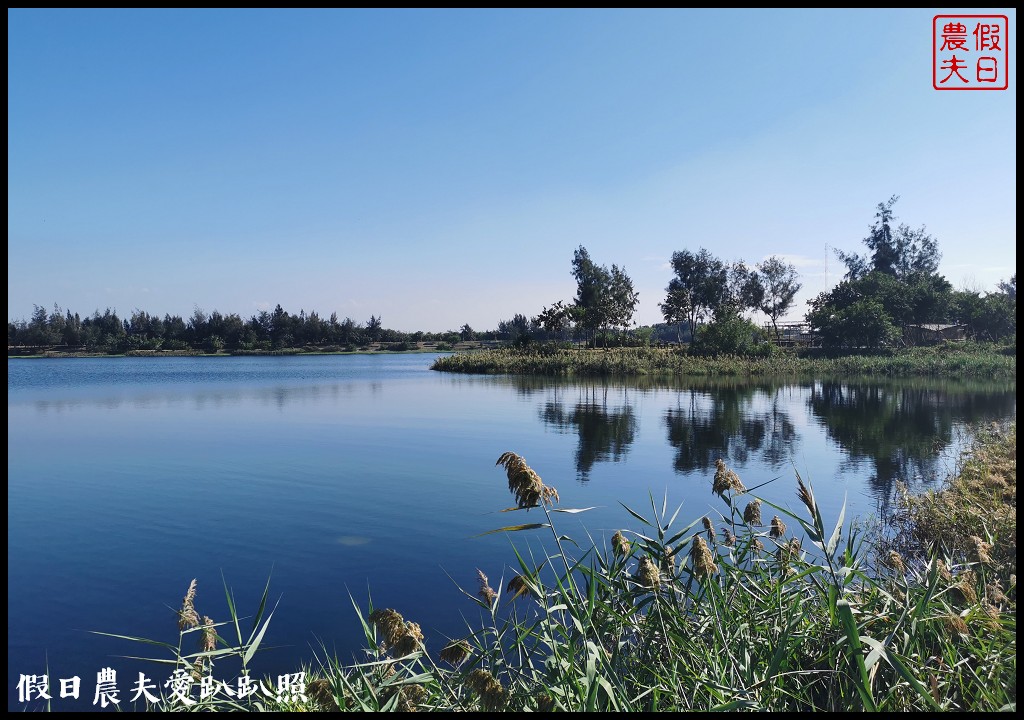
(853, 637)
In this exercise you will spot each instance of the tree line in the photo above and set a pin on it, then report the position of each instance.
(212, 332)
(886, 290)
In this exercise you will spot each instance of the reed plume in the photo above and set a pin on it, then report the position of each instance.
(187, 616)
(620, 545)
(647, 573)
(401, 636)
(709, 528)
(322, 694)
(519, 585)
(752, 513)
(486, 593)
(668, 561)
(545, 703)
(955, 624)
(725, 480)
(208, 637)
(778, 527)
(525, 484)
(980, 549)
(895, 561)
(806, 496)
(492, 694)
(455, 652)
(964, 587)
(411, 639)
(701, 558)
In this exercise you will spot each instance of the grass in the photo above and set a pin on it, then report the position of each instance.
(949, 360)
(731, 612)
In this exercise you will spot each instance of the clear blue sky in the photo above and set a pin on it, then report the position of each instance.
(437, 168)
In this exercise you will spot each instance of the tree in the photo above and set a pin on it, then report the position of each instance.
(698, 290)
(1009, 288)
(896, 283)
(516, 330)
(731, 334)
(466, 332)
(281, 328)
(591, 281)
(899, 251)
(778, 287)
(555, 319)
(676, 308)
(989, 317)
(374, 328)
(622, 299)
(863, 323)
(604, 298)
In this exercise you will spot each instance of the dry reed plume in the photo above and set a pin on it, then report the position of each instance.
(668, 561)
(980, 550)
(187, 616)
(400, 636)
(726, 479)
(701, 558)
(492, 694)
(455, 652)
(806, 496)
(752, 513)
(524, 483)
(620, 545)
(647, 573)
(486, 593)
(895, 561)
(778, 527)
(519, 585)
(208, 638)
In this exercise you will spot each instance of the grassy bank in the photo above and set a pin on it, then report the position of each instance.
(955, 360)
(752, 607)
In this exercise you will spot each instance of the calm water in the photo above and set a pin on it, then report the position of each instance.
(364, 478)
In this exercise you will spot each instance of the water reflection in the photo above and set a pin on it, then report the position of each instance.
(902, 429)
(905, 430)
(733, 422)
(605, 431)
(200, 397)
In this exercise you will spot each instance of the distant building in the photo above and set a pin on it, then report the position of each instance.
(930, 333)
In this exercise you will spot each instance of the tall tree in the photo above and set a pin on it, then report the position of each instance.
(591, 281)
(622, 299)
(676, 307)
(894, 250)
(698, 290)
(604, 298)
(778, 288)
(374, 328)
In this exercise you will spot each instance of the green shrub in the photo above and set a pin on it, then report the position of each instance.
(731, 335)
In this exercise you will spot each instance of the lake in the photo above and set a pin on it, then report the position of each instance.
(372, 478)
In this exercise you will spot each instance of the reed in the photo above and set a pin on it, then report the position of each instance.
(817, 618)
(954, 360)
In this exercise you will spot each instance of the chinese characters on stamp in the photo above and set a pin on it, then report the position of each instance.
(970, 52)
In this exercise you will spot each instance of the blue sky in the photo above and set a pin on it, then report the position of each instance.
(436, 168)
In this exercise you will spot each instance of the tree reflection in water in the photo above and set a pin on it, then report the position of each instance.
(903, 429)
(906, 430)
(733, 422)
(604, 433)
